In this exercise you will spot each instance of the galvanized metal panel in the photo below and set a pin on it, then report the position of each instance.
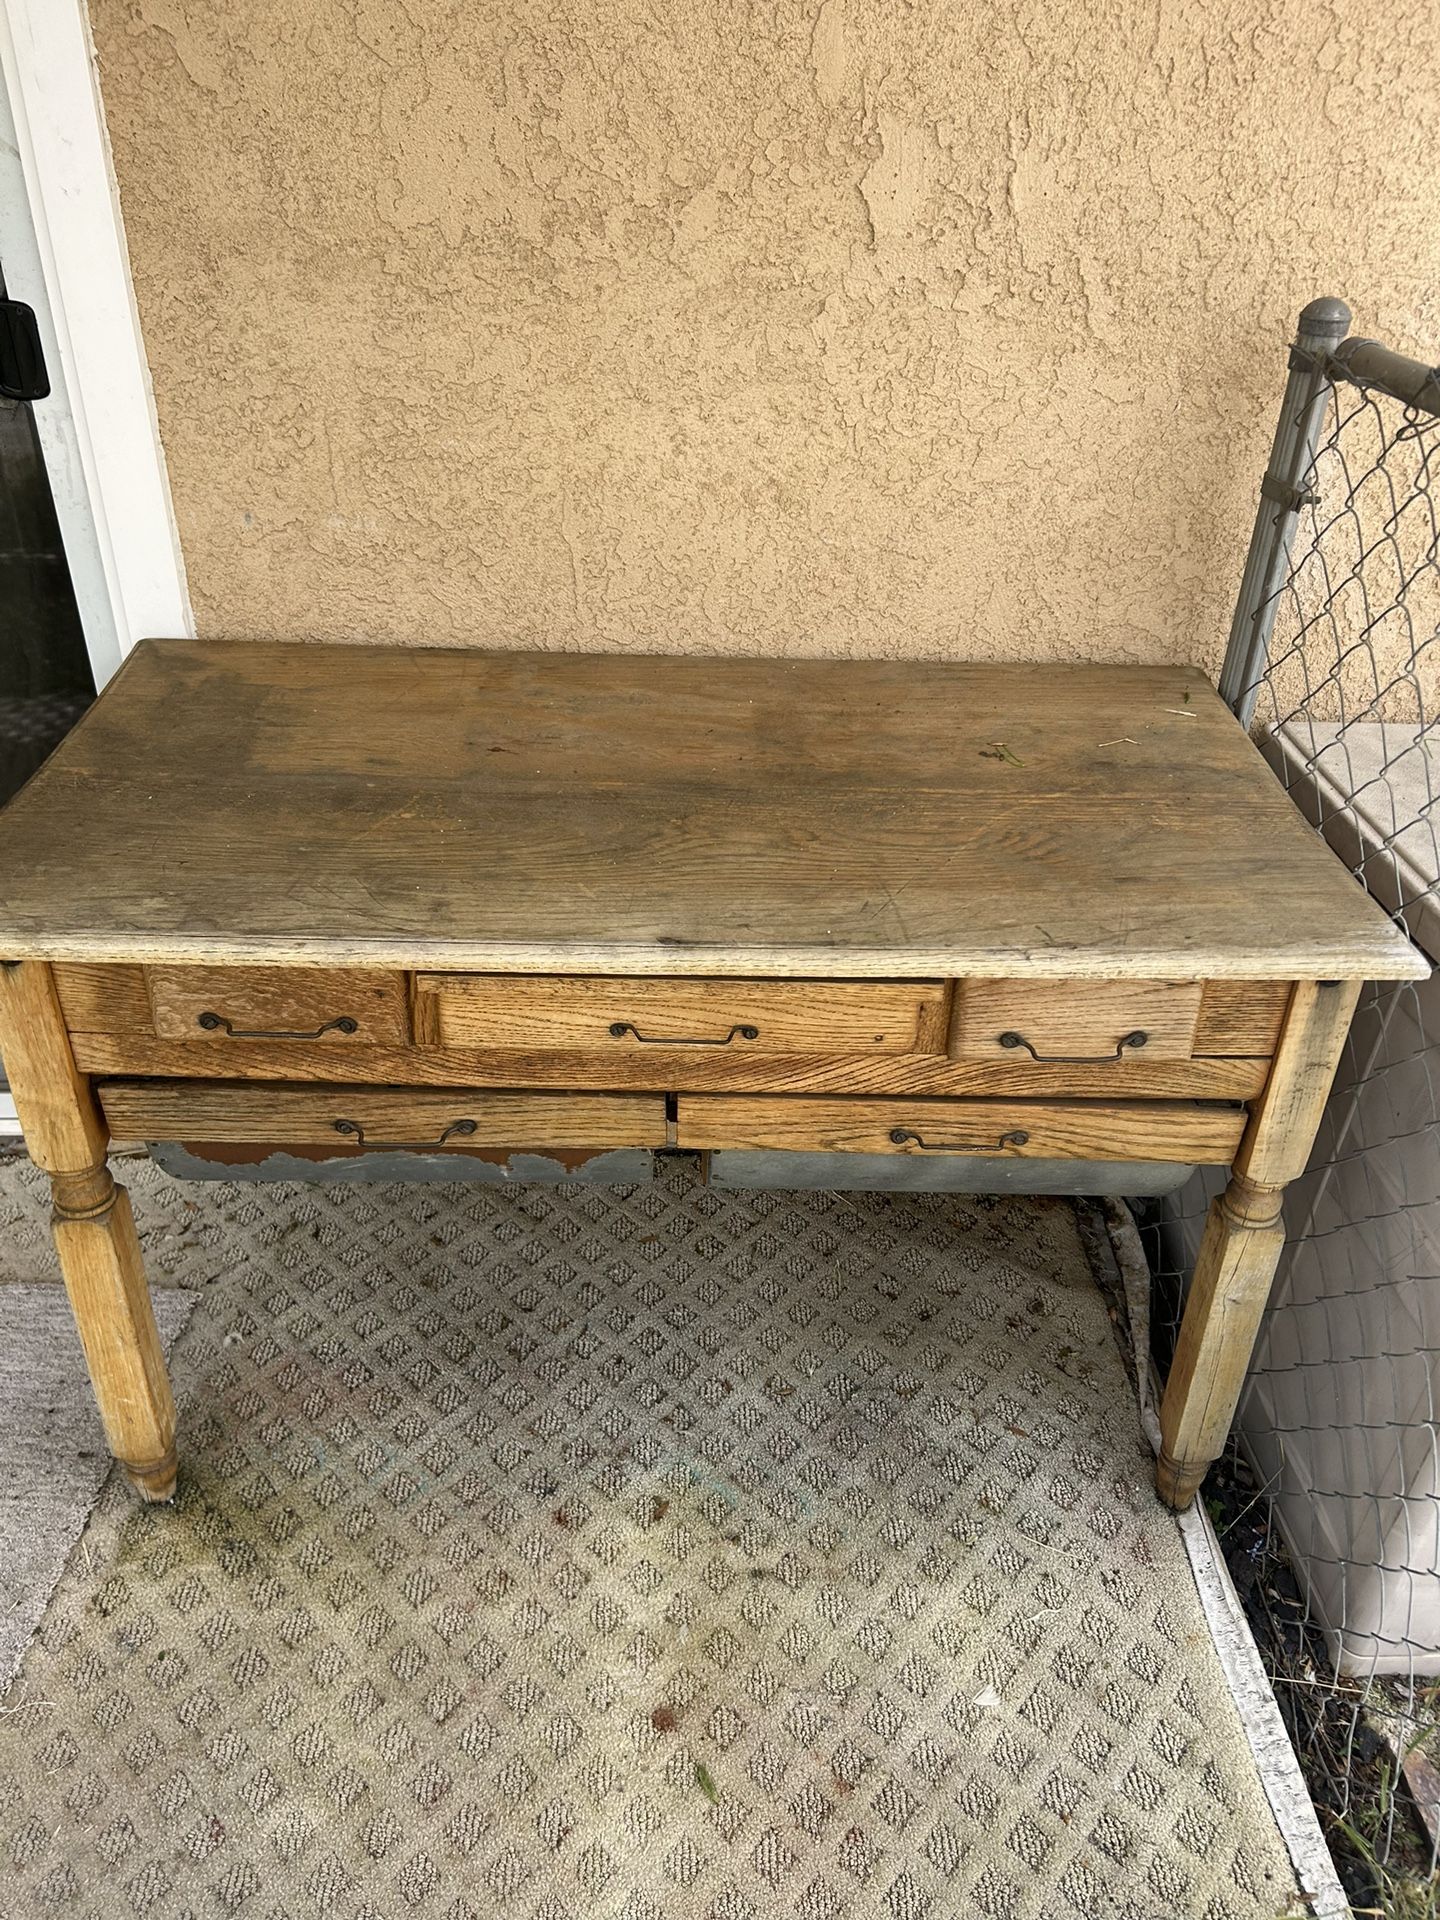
(939, 1173)
(615, 1167)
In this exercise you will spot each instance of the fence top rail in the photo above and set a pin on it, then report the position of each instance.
(1365, 363)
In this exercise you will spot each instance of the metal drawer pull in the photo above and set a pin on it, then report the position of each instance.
(620, 1028)
(1136, 1039)
(217, 1023)
(902, 1137)
(388, 1146)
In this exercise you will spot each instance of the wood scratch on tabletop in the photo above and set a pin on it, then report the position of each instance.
(891, 900)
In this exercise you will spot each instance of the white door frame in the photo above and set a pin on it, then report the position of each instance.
(63, 246)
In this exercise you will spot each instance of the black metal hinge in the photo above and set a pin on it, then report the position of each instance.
(22, 358)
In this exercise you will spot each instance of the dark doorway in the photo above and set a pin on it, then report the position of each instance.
(45, 677)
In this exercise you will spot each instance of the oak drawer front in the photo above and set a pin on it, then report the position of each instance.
(124, 1056)
(263, 1005)
(617, 1016)
(1171, 1130)
(1074, 1021)
(352, 1118)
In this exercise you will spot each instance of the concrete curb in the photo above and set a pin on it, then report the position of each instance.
(1275, 1758)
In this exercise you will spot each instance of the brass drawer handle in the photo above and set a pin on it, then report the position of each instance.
(217, 1023)
(903, 1137)
(1135, 1039)
(354, 1128)
(620, 1028)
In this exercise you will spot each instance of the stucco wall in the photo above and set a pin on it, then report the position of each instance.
(858, 327)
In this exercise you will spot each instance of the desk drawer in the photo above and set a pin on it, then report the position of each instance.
(250, 1006)
(619, 1016)
(1114, 1023)
(1096, 1022)
(1172, 1130)
(352, 1118)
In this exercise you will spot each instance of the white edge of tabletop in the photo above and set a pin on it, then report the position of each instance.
(1383, 961)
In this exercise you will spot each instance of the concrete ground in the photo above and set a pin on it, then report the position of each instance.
(610, 1553)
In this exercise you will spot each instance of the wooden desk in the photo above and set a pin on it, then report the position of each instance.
(361, 897)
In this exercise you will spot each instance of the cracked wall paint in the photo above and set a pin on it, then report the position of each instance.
(859, 328)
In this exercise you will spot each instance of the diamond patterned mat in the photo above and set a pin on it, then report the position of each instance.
(572, 1554)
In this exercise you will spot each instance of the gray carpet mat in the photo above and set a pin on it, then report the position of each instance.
(587, 1555)
(53, 1449)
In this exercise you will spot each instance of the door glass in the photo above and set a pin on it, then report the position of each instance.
(45, 677)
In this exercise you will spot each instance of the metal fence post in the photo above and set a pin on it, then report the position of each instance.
(1323, 325)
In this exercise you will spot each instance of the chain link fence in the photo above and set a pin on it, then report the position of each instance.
(1328, 1503)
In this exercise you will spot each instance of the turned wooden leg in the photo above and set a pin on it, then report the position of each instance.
(1243, 1240)
(94, 1230)
(105, 1278)
(1233, 1271)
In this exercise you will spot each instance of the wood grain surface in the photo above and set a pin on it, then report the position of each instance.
(1241, 1016)
(1066, 1019)
(1078, 1130)
(668, 1069)
(540, 1012)
(411, 1116)
(1285, 1120)
(63, 1131)
(278, 804)
(345, 1007)
(1238, 1018)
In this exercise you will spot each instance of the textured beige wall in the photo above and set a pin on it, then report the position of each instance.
(858, 327)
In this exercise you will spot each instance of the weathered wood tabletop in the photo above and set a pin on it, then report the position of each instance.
(264, 803)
